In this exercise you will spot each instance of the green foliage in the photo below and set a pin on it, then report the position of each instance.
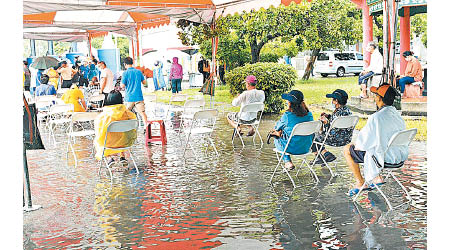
(275, 79)
(419, 27)
(61, 47)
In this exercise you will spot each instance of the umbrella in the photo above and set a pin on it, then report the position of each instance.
(44, 62)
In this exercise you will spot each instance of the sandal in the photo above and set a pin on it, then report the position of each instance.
(289, 166)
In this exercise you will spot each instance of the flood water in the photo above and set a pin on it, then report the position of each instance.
(223, 202)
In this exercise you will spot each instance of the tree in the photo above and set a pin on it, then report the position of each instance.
(333, 23)
(262, 26)
(419, 27)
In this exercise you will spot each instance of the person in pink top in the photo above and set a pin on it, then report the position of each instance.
(176, 75)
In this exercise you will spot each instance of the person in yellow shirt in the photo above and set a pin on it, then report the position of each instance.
(114, 110)
(75, 96)
(54, 76)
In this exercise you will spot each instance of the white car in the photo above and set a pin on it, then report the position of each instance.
(339, 63)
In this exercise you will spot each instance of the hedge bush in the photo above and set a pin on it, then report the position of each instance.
(274, 78)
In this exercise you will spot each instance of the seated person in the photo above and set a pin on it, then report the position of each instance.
(45, 88)
(54, 76)
(337, 137)
(94, 81)
(114, 110)
(251, 95)
(373, 140)
(413, 71)
(297, 113)
(75, 96)
(375, 68)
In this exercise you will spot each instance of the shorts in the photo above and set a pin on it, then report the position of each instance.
(357, 155)
(233, 116)
(138, 106)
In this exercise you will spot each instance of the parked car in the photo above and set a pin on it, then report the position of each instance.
(339, 63)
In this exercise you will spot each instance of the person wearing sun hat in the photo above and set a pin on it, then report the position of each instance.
(251, 95)
(373, 140)
(297, 113)
(338, 137)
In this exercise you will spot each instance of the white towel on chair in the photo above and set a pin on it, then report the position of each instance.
(418, 83)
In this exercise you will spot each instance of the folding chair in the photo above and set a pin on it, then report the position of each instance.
(401, 138)
(43, 104)
(99, 100)
(121, 127)
(189, 109)
(251, 107)
(176, 99)
(59, 115)
(341, 122)
(301, 129)
(80, 117)
(203, 124)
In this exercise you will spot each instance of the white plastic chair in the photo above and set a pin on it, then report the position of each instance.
(151, 100)
(59, 115)
(203, 124)
(97, 99)
(175, 99)
(301, 129)
(80, 117)
(401, 138)
(43, 104)
(257, 107)
(341, 122)
(121, 127)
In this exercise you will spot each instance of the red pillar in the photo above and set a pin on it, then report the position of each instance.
(405, 40)
(367, 31)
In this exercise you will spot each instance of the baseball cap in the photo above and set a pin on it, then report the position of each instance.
(295, 96)
(387, 93)
(339, 95)
(251, 79)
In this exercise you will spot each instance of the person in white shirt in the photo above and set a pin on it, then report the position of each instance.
(251, 95)
(106, 79)
(375, 68)
(373, 140)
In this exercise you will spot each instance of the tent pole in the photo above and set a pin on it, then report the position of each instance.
(90, 45)
(138, 62)
(29, 206)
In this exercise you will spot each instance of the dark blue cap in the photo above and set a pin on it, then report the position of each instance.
(295, 96)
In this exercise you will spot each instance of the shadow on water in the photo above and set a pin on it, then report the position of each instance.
(223, 202)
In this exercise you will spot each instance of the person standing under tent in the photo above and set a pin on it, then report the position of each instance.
(204, 69)
(167, 67)
(54, 76)
(66, 74)
(106, 80)
(176, 76)
(27, 75)
(132, 81)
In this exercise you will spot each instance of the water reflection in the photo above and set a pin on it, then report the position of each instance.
(215, 202)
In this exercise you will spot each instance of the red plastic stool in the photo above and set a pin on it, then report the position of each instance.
(162, 129)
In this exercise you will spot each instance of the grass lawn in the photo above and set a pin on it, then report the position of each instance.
(314, 91)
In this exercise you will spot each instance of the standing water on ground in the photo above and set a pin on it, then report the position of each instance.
(214, 202)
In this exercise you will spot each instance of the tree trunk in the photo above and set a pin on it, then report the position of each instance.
(309, 66)
(255, 52)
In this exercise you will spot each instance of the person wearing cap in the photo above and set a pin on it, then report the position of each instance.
(251, 95)
(338, 137)
(296, 113)
(75, 96)
(373, 140)
(413, 71)
(375, 68)
(66, 74)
